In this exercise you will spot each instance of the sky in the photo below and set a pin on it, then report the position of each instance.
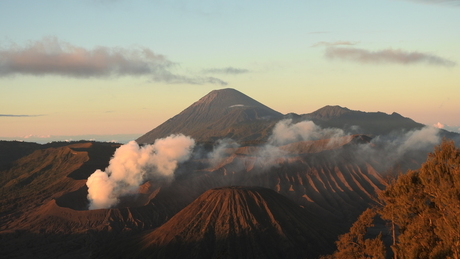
(112, 69)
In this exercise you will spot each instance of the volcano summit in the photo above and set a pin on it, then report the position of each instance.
(222, 113)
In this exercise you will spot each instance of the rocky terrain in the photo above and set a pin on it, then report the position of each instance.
(256, 185)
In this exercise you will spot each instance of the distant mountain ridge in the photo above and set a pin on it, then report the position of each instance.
(370, 123)
(329, 112)
(228, 113)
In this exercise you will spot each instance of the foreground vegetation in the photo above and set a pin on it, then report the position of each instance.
(421, 209)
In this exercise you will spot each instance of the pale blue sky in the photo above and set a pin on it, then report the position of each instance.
(123, 67)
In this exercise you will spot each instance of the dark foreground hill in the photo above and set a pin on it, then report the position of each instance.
(37, 191)
(44, 197)
(232, 222)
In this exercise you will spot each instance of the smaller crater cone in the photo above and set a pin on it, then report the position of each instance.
(234, 222)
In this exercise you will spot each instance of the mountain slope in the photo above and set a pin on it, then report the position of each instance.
(371, 123)
(227, 113)
(221, 113)
(44, 196)
(12, 150)
(232, 222)
(330, 178)
(43, 204)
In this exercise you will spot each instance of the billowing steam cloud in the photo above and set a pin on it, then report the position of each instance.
(419, 139)
(50, 56)
(131, 165)
(389, 149)
(223, 149)
(285, 132)
(386, 150)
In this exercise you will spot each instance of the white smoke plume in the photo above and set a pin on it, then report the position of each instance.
(131, 165)
(420, 139)
(221, 151)
(285, 132)
(388, 150)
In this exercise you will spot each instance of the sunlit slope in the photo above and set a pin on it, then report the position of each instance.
(221, 113)
(233, 222)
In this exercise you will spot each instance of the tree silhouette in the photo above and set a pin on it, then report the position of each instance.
(354, 245)
(423, 209)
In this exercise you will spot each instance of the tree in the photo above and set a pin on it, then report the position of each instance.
(440, 176)
(405, 206)
(354, 245)
(423, 207)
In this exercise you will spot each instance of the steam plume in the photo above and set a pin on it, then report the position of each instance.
(131, 165)
(390, 149)
(220, 151)
(285, 132)
(420, 139)
(387, 150)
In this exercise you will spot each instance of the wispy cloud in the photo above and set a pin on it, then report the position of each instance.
(452, 2)
(319, 32)
(51, 56)
(106, 1)
(226, 70)
(20, 115)
(395, 56)
(171, 78)
(335, 43)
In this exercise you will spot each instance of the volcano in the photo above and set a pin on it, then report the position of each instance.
(228, 113)
(232, 222)
(225, 113)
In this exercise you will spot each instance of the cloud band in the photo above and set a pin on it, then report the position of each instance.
(395, 56)
(51, 56)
